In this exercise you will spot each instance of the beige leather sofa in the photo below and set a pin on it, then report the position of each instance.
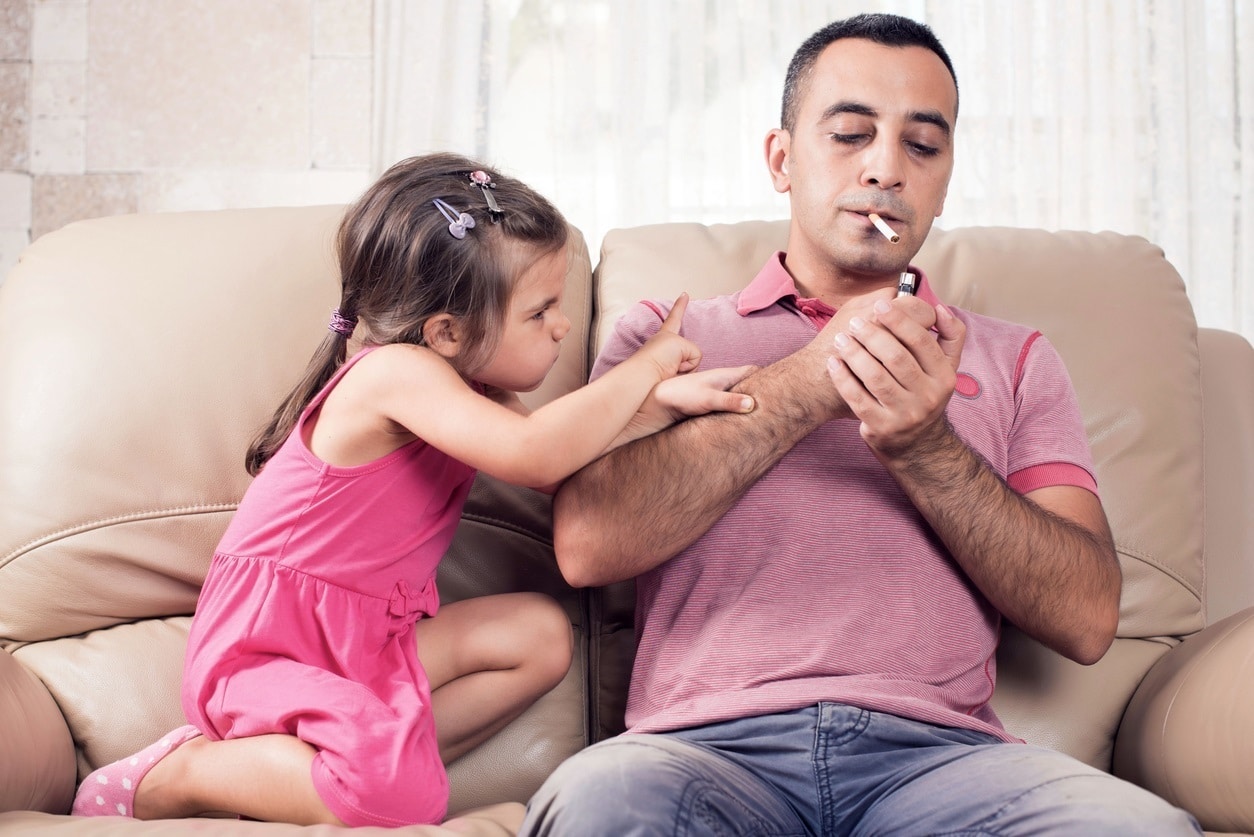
(139, 353)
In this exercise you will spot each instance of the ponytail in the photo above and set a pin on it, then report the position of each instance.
(322, 366)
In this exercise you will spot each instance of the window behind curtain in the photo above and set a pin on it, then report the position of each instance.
(1130, 115)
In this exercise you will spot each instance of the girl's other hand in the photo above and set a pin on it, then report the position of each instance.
(673, 354)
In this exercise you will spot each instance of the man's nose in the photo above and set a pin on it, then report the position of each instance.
(883, 163)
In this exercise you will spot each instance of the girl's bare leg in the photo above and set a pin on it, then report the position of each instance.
(266, 777)
(488, 659)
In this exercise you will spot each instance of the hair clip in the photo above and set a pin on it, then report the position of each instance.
(458, 222)
(342, 325)
(484, 181)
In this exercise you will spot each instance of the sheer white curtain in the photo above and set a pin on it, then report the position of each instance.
(1129, 115)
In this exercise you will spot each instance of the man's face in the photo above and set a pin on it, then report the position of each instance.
(874, 133)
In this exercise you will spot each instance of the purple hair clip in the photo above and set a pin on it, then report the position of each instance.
(484, 181)
(342, 325)
(458, 222)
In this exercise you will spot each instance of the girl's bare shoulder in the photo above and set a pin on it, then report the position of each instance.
(395, 372)
(404, 359)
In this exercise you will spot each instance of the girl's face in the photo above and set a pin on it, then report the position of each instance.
(534, 328)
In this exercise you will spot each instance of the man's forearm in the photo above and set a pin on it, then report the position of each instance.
(1054, 578)
(644, 502)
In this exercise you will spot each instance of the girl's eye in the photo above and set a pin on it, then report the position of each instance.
(539, 315)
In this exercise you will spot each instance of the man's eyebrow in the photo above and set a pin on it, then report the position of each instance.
(930, 117)
(848, 107)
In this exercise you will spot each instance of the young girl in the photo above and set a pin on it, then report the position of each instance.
(321, 684)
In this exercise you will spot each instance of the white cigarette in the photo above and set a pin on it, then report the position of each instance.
(883, 227)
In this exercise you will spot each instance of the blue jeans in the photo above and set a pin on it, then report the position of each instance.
(836, 770)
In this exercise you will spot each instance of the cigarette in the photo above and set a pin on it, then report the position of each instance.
(883, 227)
(907, 284)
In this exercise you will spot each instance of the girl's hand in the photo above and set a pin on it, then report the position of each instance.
(698, 393)
(694, 394)
(673, 354)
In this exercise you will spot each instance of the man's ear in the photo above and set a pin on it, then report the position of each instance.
(778, 144)
(443, 335)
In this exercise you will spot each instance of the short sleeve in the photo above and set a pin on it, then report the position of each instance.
(1048, 443)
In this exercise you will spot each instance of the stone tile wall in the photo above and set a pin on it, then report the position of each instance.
(117, 106)
(15, 83)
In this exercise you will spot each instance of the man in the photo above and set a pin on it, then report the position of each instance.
(820, 582)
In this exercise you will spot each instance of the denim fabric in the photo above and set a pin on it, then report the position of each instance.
(837, 770)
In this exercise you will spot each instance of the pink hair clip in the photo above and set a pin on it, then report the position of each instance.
(458, 222)
(484, 181)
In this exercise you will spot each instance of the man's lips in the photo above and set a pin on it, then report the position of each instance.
(865, 213)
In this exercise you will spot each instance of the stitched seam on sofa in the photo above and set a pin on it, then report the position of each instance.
(511, 527)
(592, 611)
(1163, 568)
(104, 523)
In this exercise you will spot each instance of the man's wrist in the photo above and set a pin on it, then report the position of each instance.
(785, 391)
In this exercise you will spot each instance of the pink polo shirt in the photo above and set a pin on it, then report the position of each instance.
(823, 582)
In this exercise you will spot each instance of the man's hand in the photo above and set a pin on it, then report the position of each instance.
(894, 374)
(824, 402)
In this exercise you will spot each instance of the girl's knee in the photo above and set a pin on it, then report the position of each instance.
(542, 635)
(384, 790)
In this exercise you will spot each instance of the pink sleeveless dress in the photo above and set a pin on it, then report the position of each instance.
(305, 624)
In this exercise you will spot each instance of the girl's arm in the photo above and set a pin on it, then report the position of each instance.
(418, 390)
(507, 399)
(678, 398)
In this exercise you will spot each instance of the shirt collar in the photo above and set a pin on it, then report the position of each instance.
(775, 284)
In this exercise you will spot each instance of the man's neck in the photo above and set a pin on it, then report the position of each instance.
(834, 286)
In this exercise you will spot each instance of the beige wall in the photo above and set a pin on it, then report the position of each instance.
(114, 106)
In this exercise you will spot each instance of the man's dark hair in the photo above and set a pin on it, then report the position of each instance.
(884, 29)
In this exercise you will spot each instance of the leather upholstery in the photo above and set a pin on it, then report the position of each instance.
(138, 354)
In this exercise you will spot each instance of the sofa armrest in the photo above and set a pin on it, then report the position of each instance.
(1227, 362)
(37, 769)
(1187, 730)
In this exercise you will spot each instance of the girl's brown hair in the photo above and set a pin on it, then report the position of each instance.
(400, 265)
